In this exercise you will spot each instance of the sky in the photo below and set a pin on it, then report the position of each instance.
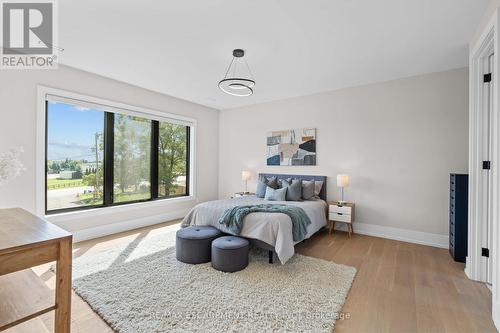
(71, 131)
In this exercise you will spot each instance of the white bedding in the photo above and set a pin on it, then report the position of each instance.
(272, 228)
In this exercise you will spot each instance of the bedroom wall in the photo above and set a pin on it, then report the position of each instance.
(398, 141)
(17, 128)
(485, 19)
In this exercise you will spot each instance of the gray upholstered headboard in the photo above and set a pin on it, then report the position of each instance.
(322, 194)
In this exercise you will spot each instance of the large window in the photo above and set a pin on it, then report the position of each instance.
(97, 158)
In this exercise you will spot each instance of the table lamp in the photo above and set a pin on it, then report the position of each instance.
(246, 176)
(342, 181)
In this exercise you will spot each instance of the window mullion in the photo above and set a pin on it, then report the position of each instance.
(109, 147)
(188, 158)
(154, 158)
(46, 151)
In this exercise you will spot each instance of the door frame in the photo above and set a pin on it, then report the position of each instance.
(474, 269)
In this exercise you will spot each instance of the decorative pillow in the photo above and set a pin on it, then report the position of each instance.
(261, 188)
(275, 195)
(294, 189)
(263, 183)
(307, 189)
(272, 182)
(280, 182)
(318, 184)
(284, 182)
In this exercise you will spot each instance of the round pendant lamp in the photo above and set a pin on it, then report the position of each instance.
(238, 80)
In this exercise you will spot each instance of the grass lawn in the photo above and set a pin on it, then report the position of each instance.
(57, 183)
(122, 197)
(88, 198)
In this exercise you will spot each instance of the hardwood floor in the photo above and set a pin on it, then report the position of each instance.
(399, 287)
(404, 287)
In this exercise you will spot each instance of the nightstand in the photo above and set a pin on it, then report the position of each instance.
(242, 194)
(343, 213)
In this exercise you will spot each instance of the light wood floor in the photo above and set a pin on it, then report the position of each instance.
(399, 287)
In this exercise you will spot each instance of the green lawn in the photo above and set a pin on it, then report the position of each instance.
(88, 199)
(122, 197)
(57, 183)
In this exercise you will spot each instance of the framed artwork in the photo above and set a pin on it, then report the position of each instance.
(292, 147)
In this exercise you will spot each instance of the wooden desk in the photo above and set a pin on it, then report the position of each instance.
(27, 241)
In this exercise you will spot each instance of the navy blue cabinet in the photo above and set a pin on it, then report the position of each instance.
(459, 189)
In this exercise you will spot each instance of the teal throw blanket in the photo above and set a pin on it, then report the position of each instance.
(233, 217)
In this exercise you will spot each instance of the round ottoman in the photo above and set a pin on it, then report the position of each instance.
(230, 253)
(192, 244)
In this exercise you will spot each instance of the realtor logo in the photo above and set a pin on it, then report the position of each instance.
(28, 35)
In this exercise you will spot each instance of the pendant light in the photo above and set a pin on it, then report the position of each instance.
(234, 82)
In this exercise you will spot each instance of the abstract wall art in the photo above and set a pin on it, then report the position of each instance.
(292, 147)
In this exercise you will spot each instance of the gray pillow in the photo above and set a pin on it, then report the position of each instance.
(318, 184)
(263, 183)
(307, 189)
(275, 195)
(294, 189)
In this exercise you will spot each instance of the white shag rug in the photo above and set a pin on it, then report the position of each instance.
(141, 287)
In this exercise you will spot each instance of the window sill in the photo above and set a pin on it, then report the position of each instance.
(68, 216)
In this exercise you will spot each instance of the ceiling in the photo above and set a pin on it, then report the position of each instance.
(294, 47)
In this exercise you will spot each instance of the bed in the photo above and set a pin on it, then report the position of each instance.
(270, 231)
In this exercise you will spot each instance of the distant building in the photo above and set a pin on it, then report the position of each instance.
(89, 166)
(66, 174)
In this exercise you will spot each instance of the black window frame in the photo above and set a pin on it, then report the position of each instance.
(108, 164)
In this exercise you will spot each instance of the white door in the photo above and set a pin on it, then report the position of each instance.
(486, 229)
(490, 187)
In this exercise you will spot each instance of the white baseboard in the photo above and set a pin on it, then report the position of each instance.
(405, 235)
(113, 228)
(467, 269)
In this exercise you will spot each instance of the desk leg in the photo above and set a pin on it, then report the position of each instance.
(63, 288)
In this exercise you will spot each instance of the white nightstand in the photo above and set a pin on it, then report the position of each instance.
(241, 194)
(343, 213)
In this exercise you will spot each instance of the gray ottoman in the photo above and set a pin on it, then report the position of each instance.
(192, 244)
(230, 253)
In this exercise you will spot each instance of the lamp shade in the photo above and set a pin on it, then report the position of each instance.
(342, 180)
(246, 175)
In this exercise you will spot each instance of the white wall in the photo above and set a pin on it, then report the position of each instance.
(398, 140)
(18, 91)
(492, 7)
